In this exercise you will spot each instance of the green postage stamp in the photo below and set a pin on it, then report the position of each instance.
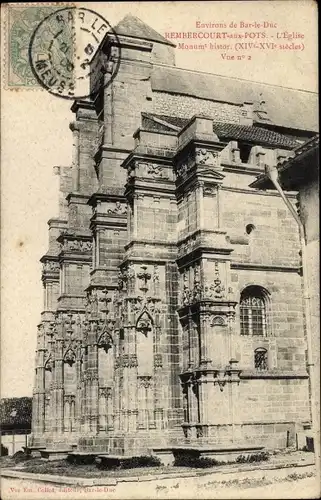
(21, 21)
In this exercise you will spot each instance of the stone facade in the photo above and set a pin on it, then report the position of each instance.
(300, 172)
(173, 307)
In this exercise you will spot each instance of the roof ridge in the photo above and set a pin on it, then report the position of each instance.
(233, 78)
(145, 31)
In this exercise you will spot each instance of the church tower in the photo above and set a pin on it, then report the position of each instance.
(172, 314)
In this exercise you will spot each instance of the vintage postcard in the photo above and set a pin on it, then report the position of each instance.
(160, 250)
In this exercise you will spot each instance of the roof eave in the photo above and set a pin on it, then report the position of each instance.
(293, 171)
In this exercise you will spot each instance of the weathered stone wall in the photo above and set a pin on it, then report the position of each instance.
(187, 106)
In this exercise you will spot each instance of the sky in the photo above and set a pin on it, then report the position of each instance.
(35, 137)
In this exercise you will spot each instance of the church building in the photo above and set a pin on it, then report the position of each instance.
(173, 309)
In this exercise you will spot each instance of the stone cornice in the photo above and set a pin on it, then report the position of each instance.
(75, 258)
(155, 243)
(273, 374)
(195, 142)
(144, 260)
(81, 199)
(256, 192)
(82, 104)
(163, 132)
(108, 221)
(69, 234)
(56, 222)
(196, 176)
(149, 157)
(117, 195)
(241, 168)
(265, 267)
(49, 257)
(150, 187)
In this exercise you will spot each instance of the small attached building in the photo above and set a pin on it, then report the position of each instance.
(15, 424)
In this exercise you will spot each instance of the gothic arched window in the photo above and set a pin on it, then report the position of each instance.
(254, 311)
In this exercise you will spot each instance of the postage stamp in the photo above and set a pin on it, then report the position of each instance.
(53, 46)
(20, 21)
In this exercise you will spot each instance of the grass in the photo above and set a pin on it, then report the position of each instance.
(64, 468)
(255, 482)
(254, 458)
(137, 466)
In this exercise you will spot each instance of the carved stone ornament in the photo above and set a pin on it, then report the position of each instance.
(145, 276)
(156, 274)
(70, 357)
(153, 305)
(78, 245)
(205, 157)
(126, 277)
(91, 304)
(118, 209)
(145, 381)
(49, 364)
(105, 299)
(187, 432)
(51, 266)
(105, 341)
(181, 169)
(68, 323)
(197, 286)
(105, 392)
(128, 361)
(144, 323)
(209, 191)
(199, 432)
(91, 375)
(158, 361)
(218, 321)
(187, 295)
(154, 171)
(136, 304)
(216, 290)
(69, 398)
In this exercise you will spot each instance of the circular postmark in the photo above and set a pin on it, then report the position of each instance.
(64, 55)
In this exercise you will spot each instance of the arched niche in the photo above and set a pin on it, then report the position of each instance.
(105, 359)
(145, 344)
(69, 372)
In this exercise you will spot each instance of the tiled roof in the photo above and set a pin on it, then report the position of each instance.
(289, 108)
(16, 413)
(258, 135)
(226, 131)
(311, 143)
(133, 27)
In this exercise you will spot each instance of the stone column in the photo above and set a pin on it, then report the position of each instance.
(200, 204)
(74, 127)
(203, 398)
(97, 256)
(78, 395)
(218, 206)
(204, 338)
(41, 390)
(193, 405)
(135, 217)
(59, 391)
(92, 394)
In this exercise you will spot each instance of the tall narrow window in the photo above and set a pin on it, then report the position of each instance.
(253, 311)
(260, 359)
